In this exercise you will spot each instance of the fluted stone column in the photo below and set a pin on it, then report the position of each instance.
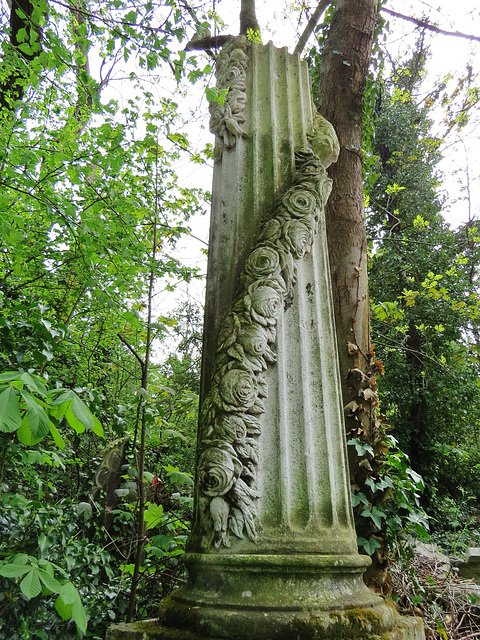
(273, 551)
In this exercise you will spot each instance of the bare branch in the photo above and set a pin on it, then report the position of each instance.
(214, 42)
(431, 27)
(130, 348)
(312, 23)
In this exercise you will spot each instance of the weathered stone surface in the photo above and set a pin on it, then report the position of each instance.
(273, 553)
(470, 568)
(356, 623)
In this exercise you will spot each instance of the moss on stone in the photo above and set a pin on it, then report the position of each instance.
(361, 624)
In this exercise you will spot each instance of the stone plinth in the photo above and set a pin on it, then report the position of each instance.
(273, 553)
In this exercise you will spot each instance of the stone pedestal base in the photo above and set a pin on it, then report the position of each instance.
(404, 629)
(263, 597)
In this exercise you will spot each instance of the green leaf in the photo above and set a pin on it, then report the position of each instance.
(362, 448)
(84, 509)
(8, 376)
(359, 498)
(369, 545)
(97, 428)
(34, 383)
(79, 616)
(38, 420)
(153, 516)
(51, 583)
(69, 605)
(57, 438)
(10, 418)
(13, 570)
(163, 542)
(63, 609)
(77, 413)
(30, 585)
(25, 435)
(178, 477)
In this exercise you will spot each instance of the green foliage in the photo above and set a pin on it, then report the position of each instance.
(90, 209)
(254, 35)
(28, 407)
(399, 508)
(424, 290)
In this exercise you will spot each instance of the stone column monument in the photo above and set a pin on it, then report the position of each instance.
(273, 553)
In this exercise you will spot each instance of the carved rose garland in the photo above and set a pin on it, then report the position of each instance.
(228, 458)
(230, 416)
(227, 119)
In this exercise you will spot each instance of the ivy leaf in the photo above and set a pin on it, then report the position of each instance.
(362, 448)
(359, 498)
(369, 545)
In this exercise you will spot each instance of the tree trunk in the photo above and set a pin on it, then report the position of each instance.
(343, 70)
(248, 18)
(13, 86)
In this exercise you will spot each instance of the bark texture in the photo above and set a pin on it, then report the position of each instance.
(343, 70)
(12, 87)
(248, 18)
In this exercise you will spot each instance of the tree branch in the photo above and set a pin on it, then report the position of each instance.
(214, 42)
(130, 348)
(307, 32)
(431, 27)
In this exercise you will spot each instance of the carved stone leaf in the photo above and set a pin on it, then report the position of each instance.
(262, 388)
(258, 408)
(228, 331)
(236, 351)
(256, 364)
(253, 424)
(243, 497)
(247, 452)
(249, 470)
(233, 125)
(219, 510)
(236, 522)
(270, 356)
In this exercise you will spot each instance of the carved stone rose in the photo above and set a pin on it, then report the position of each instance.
(217, 470)
(299, 202)
(253, 339)
(237, 390)
(263, 302)
(231, 428)
(298, 237)
(233, 76)
(263, 262)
